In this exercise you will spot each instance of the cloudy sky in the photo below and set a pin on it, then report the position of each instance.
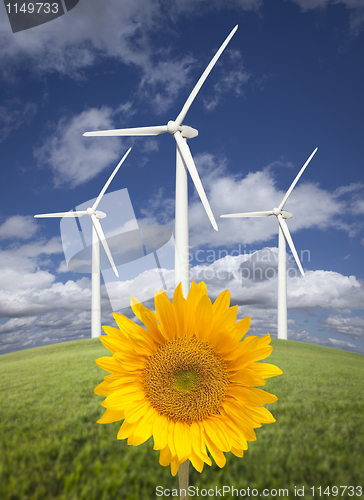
(290, 80)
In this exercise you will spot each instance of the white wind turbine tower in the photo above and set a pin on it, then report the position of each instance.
(283, 236)
(184, 162)
(97, 236)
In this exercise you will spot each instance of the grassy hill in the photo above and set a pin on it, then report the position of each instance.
(52, 448)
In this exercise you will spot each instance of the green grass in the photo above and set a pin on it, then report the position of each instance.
(52, 448)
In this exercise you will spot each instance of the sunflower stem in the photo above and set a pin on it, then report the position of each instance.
(183, 480)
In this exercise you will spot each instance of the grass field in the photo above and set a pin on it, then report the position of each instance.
(52, 448)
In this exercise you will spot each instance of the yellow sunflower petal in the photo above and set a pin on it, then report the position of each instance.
(243, 394)
(203, 321)
(160, 432)
(196, 461)
(128, 326)
(144, 429)
(125, 430)
(214, 429)
(238, 411)
(113, 344)
(130, 360)
(109, 364)
(216, 453)
(265, 396)
(149, 318)
(265, 370)
(106, 388)
(170, 437)
(238, 440)
(221, 304)
(118, 399)
(174, 467)
(261, 414)
(229, 345)
(111, 416)
(239, 421)
(237, 452)
(198, 444)
(165, 314)
(225, 322)
(136, 413)
(165, 456)
(247, 377)
(250, 350)
(195, 295)
(244, 325)
(182, 441)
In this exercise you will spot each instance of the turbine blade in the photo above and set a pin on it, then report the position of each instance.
(95, 205)
(186, 155)
(287, 235)
(129, 131)
(285, 198)
(250, 214)
(100, 234)
(203, 77)
(63, 214)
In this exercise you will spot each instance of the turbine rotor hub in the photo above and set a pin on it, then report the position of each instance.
(276, 211)
(172, 127)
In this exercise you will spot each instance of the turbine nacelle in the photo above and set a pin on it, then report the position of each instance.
(99, 215)
(186, 131)
(283, 213)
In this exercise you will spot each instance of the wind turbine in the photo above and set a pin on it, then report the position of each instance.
(283, 236)
(97, 236)
(184, 162)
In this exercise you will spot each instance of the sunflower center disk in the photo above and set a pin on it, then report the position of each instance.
(186, 380)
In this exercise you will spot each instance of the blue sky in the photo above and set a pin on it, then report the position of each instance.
(290, 80)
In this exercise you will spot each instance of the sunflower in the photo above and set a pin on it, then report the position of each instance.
(186, 379)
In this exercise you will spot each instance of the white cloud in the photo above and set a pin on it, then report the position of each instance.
(13, 114)
(304, 336)
(41, 310)
(252, 279)
(341, 344)
(37, 307)
(75, 159)
(314, 4)
(231, 79)
(81, 37)
(95, 30)
(164, 80)
(18, 226)
(196, 7)
(17, 325)
(355, 6)
(311, 4)
(352, 326)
